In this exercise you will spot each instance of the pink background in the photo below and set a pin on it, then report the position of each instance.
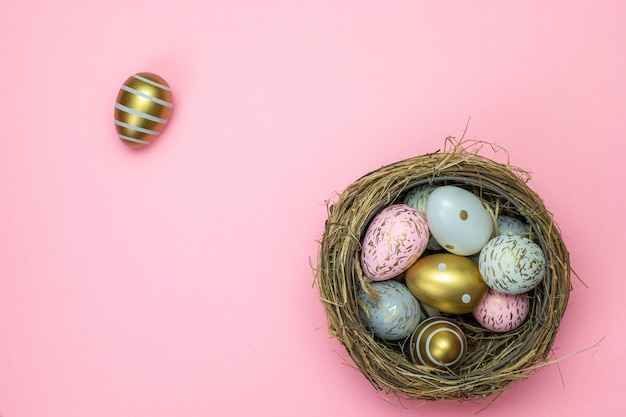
(176, 280)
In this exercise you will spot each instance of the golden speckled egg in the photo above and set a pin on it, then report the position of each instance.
(447, 282)
(438, 342)
(142, 109)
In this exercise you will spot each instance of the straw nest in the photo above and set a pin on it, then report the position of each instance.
(495, 361)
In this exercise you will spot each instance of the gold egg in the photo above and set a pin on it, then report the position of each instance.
(142, 108)
(449, 283)
(438, 342)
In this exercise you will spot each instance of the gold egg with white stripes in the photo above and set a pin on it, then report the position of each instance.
(438, 342)
(142, 109)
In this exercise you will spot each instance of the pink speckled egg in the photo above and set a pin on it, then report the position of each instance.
(393, 241)
(501, 312)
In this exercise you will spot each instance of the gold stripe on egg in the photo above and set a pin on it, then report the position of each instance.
(152, 98)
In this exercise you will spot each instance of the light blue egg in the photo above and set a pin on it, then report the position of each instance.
(508, 225)
(394, 315)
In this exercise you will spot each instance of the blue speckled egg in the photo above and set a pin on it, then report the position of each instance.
(394, 314)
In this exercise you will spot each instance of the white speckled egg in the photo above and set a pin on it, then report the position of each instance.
(395, 315)
(458, 220)
(512, 264)
(501, 312)
(394, 240)
(418, 196)
(507, 225)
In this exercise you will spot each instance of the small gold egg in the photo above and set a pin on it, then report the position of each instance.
(142, 108)
(447, 282)
(438, 342)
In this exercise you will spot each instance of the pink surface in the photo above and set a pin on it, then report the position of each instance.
(175, 280)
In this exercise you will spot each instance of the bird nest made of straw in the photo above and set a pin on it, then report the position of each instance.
(494, 361)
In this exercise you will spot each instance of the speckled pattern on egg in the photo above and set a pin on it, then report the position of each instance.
(394, 315)
(501, 312)
(512, 264)
(395, 239)
(507, 225)
(418, 196)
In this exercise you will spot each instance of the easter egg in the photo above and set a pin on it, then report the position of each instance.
(418, 196)
(512, 264)
(500, 312)
(392, 312)
(393, 241)
(507, 225)
(457, 220)
(142, 108)
(447, 282)
(438, 342)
